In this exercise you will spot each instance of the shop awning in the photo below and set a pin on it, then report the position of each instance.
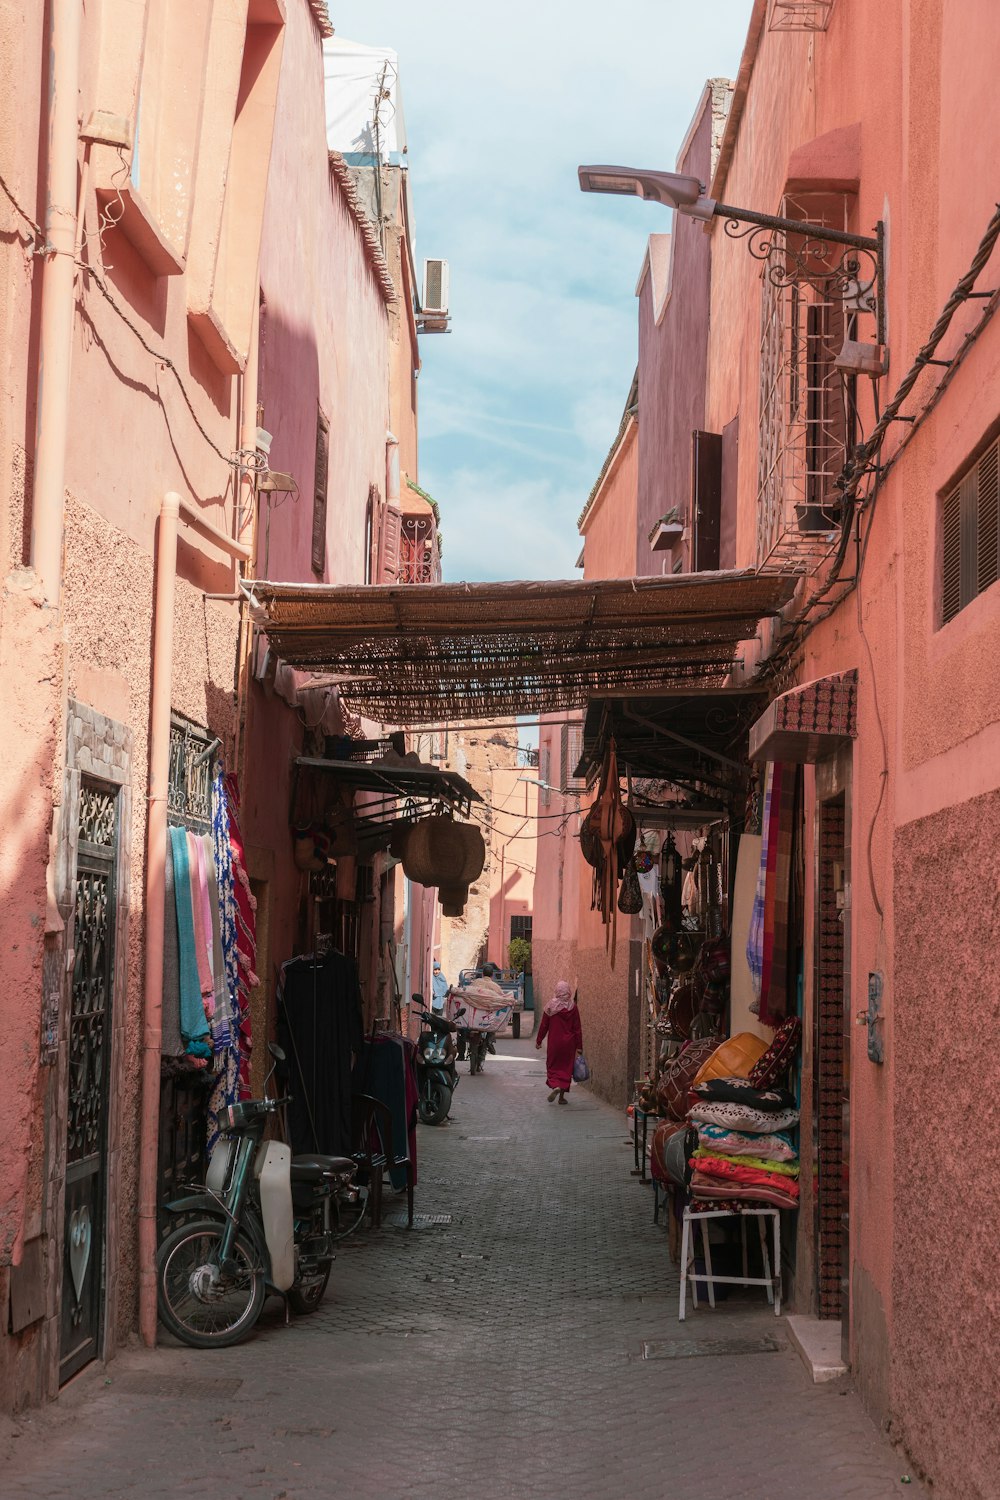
(694, 741)
(396, 781)
(423, 654)
(808, 722)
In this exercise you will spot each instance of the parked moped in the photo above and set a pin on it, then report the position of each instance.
(265, 1222)
(437, 1074)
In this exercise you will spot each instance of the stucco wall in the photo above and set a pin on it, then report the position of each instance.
(945, 1304)
(325, 330)
(672, 361)
(919, 107)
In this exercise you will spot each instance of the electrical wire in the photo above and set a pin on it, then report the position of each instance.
(244, 459)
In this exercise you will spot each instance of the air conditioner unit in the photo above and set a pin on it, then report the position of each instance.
(435, 293)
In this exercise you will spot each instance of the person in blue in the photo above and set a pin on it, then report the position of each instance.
(440, 988)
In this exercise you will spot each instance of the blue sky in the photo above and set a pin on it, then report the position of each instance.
(520, 402)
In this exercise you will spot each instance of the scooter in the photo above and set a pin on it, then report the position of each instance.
(437, 1073)
(265, 1222)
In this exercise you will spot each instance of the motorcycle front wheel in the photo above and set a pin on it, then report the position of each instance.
(198, 1304)
(435, 1103)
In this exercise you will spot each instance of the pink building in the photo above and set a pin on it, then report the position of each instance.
(208, 375)
(849, 445)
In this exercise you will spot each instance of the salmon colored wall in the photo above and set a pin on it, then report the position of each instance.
(324, 343)
(609, 525)
(555, 918)
(925, 109)
(326, 330)
(140, 423)
(672, 354)
(515, 835)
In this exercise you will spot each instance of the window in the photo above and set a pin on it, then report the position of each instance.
(520, 927)
(970, 537)
(571, 750)
(806, 404)
(319, 492)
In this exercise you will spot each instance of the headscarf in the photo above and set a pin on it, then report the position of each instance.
(561, 1000)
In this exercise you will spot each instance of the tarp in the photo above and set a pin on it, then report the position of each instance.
(364, 107)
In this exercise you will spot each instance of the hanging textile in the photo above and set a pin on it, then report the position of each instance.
(774, 938)
(171, 1044)
(225, 987)
(321, 1031)
(386, 1069)
(193, 1021)
(246, 927)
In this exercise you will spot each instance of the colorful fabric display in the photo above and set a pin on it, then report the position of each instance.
(774, 1147)
(783, 1168)
(741, 1117)
(245, 908)
(226, 1038)
(743, 1176)
(712, 1192)
(742, 1091)
(771, 927)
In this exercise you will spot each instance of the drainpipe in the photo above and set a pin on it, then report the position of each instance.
(58, 275)
(156, 855)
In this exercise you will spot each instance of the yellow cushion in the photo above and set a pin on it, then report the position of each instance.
(734, 1058)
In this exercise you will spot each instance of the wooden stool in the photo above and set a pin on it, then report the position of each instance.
(771, 1281)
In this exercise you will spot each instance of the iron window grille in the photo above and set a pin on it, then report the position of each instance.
(189, 792)
(419, 557)
(807, 405)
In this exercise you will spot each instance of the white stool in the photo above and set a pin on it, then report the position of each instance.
(772, 1282)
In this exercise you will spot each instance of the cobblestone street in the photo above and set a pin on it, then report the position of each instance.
(497, 1353)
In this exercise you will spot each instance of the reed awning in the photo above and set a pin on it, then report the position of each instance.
(425, 653)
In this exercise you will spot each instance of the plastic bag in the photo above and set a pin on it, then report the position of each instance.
(580, 1070)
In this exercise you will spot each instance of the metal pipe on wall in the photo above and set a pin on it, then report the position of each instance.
(156, 855)
(55, 352)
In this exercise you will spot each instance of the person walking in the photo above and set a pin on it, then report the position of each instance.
(561, 1024)
(439, 988)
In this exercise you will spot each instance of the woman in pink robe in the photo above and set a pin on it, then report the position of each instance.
(561, 1024)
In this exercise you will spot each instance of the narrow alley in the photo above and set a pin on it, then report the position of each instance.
(449, 1360)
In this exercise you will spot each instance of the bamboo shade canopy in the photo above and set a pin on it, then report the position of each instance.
(421, 653)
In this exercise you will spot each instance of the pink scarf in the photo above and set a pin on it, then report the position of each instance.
(561, 1000)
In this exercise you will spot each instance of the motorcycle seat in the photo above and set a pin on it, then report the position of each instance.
(315, 1168)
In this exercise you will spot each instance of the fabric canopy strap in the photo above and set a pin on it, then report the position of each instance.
(470, 650)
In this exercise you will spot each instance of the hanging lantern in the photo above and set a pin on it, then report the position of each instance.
(437, 851)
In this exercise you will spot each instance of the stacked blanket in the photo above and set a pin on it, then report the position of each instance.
(744, 1152)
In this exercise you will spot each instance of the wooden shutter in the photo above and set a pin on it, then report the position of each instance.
(706, 499)
(988, 530)
(571, 749)
(728, 493)
(320, 484)
(970, 535)
(392, 530)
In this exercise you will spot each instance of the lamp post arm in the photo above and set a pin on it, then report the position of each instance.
(799, 226)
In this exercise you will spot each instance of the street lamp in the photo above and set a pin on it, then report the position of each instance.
(792, 249)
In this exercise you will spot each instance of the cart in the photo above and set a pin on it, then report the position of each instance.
(511, 981)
